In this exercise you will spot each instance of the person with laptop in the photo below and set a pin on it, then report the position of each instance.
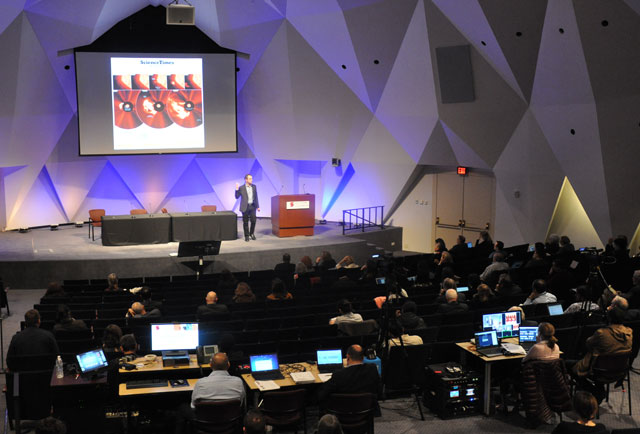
(539, 294)
(218, 386)
(356, 377)
(546, 346)
(346, 313)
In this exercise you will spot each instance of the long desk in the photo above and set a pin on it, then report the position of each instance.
(124, 392)
(469, 348)
(156, 366)
(125, 230)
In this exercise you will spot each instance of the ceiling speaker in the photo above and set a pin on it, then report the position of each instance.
(181, 15)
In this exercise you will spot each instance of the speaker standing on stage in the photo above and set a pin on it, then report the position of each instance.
(248, 205)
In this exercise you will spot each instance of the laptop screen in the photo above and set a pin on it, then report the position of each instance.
(462, 289)
(264, 362)
(486, 339)
(91, 361)
(528, 334)
(329, 357)
(555, 309)
(506, 324)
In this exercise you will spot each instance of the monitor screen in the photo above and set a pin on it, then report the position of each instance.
(264, 362)
(178, 336)
(462, 289)
(486, 339)
(505, 324)
(555, 309)
(470, 244)
(528, 334)
(329, 357)
(91, 361)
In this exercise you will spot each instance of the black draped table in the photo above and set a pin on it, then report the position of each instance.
(127, 230)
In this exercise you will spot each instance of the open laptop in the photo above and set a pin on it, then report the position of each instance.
(329, 361)
(555, 309)
(92, 362)
(487, 344)
(528, 336)
(265, 367)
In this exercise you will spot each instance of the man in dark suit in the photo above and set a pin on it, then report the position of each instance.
(211, 308)
(285, 268)
(357, 377)
(248, 205)
(460, 251)
(452, 305)
(31, 341)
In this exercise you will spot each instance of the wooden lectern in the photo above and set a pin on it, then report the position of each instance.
(293, 214)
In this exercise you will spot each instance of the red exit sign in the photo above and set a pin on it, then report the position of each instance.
(462, 170)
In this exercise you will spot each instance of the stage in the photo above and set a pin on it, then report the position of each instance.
(32, 259)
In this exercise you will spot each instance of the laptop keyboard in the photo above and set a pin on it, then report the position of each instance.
(267, 375)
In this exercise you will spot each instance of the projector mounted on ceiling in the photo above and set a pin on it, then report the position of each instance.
(181, 15)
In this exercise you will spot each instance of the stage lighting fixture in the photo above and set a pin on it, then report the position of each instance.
(181, 15)
(335, 162)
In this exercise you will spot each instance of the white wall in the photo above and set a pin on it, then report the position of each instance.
(415, 215)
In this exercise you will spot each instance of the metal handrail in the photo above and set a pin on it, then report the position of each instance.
(363, 218)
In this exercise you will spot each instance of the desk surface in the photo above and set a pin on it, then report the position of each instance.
(73, 380)
(157, 365)
(287, 381)
(471, 348)
(123, 391)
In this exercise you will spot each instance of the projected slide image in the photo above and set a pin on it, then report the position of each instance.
(158, 103)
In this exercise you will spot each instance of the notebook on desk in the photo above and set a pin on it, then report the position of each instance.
(329, 361)
(265, 367)
(487, 344)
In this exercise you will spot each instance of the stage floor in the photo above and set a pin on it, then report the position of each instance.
(30, 260)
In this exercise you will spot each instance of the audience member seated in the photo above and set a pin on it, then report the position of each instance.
(50, 425)
(146, 299)
(583, 301)
(622, 303)
(539, 294)
(539, 258)
(484, 245)
(633, 295)
(552, 245)
(31, 341)
(489, 275)
(129, 346)
(452, 305)
(301, 278)
(357, 377)
(473, 281)
(586, 406)
(400, 338)
(560, 281)
(483, 298)
(55, 290)
(325, 262)
(217, 386)
(279, 291)
(111, 341)
(329, 424)
(211, 308)
(610, 340)
(306, 260)
(112, 281)
(566, 249)
(137, 310)
(243, 294)
(439, 247)
(227, 281)
(449, 283)
(408, 316)
(254, 422)
(446, 261)
(497, 247)
(546, 346)
(347, 262)
(64, 321)
(460, 251)
(346, 314)
(505, 286)
(523, 322)
(285, 268)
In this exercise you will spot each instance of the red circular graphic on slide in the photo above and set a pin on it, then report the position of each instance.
(185, 108)
(124, 105)
(151, 108)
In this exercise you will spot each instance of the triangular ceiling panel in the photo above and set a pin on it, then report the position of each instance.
(279, 6)
(377, 30)
(528, 191)
(408, 105)
(561, 74)
(438, 151)
(41, 205)
(109, 192)
(151, 177)
(484, 124)
(469, 19)
(352, 4)
(463, 152)
(323, 26)
(634, 4)
(517, 25)
(333, 124)
(9, 10)
(115, 10)
(191, 191)
(579, 155)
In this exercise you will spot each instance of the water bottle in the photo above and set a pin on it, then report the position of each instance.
(59, 368)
